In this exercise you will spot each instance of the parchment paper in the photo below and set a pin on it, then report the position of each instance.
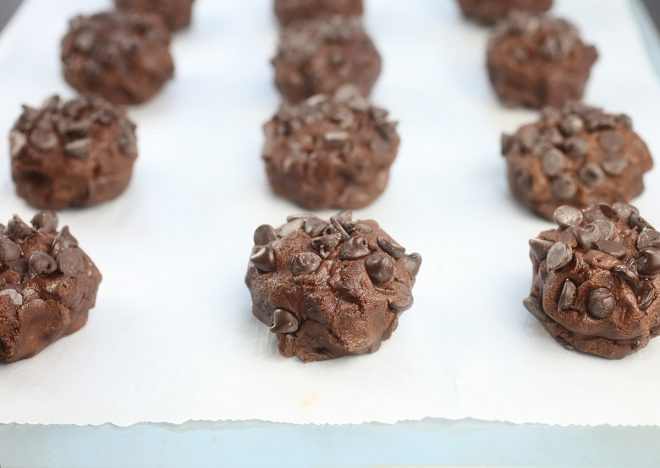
(172, 338)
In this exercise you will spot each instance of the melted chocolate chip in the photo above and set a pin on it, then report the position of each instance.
(9, 251)
(284, 322)
(43, 139)
(623, 210)
(576, 147)
(558, 256)
(380, 268)
(391, 247)
(567, 296)
(591, 175)
(616, 249)
(605, 229)
(614, 164)
(611, 141)
(564, 188)
(571, 125)
(326, 244)
(553, 162)
(17, 143)
(355, 247)
(645, 295)
(314, 227)
(523, 181)
(70, 262)
(264, 234)
(79, 148)
(587, 235)
(41, 263)
(264, 259)
(18, 230)
(533, 306)
(600, 303)
(648, 262)
(527, 136)
(566, 216)
(305, 263)
(648, 238)
(628, 272)
(45, 221)
(412, 263)
(64, 240)
(404, 298)
(540, 248)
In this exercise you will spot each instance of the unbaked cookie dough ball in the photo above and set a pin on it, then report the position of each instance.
(537, 61)
(577, 155)
(329, 288)
(595, 280)
(330, 151)
(72, 153)
(321, 55)
(124, 57)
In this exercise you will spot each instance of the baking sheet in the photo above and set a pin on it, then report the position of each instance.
(172, 338)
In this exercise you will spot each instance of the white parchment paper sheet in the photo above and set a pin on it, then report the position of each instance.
(172, 338)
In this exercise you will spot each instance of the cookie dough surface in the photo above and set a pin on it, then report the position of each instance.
(72, 153)
(290, 11)
(577, 155)
(595, 280)
(538, 61)
(47, 285)
(489, 12)
(329, 288)
(122, 56)
(176, 14)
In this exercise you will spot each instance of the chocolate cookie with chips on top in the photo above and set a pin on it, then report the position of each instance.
(537, 61)
(329, 288)
(72, 153)
(290, 11)
(321, 55)
(47, 285)
(488, 12)
(595, 280)
(124, 57)
(577, 156)
(175, 13)
(330, 150)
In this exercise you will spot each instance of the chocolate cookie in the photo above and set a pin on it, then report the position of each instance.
(576, 156)
(595, 283)
(491, 11)
(47, 286)
(71, 154)
(124, 57)
(330, 151)
(290, 11)
(175, 13)
(537, 61)
(319, 56)
(329, 289)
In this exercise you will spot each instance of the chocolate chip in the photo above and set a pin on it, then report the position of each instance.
(533, 306)
(571, 125)
(70, 262)
(351, 95)
(412, 263)
(79, 148)
(41, 263)
(611, 141)
(648, 238)
(576, 147)
(314, 227)
(391, 247)
(339, 228)
(566, 216)
(9, 251)
(264, 234)
(380, 268)
(45, 221)
(605, 228)
(591, 175)
(305, 263)
(600, 303)
(284, 322)
(43, 139)
(84, 41)
(559, 256)
(18, 230)
(599, 120)
(263, 258)
(616, 249)
(355, 247)
(648, 261)
(291, 227)
(354, 228)
(403, 299)
(13, 295)
(540, 248)
(624, 120)
(564, 188)
(567, 296)
(637, 222)
(527, 136)
(17, 143)
(553, 162)
(549, 113)
(615, 164)
(623, 210)
(64, 240)
(326, 244)
(645, 295)
(523, 182)
(587, 235)
(336, 139)
(552, 136)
